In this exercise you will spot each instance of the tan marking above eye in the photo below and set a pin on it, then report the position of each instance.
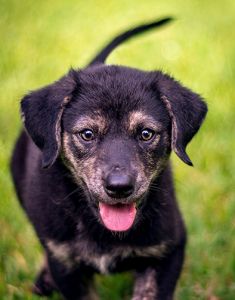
(140, 118)
(94, 122)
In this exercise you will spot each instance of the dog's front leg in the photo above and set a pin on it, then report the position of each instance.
(145, 287)
(169, 272)
(73, 283)
(158, 282)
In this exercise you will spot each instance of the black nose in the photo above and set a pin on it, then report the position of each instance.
(119, 185)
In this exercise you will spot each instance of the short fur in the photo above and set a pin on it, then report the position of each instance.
(62, 198)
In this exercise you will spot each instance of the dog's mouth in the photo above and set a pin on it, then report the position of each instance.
(117, 217)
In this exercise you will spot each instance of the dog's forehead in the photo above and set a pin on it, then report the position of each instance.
(112, 93)
(114, 86)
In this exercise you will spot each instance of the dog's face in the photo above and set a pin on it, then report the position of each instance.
(115, 140)
(114, 128)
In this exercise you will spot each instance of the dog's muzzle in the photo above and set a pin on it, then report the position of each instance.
(119, 185)
(119, 214)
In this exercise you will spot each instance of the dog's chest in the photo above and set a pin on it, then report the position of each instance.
(72, 253)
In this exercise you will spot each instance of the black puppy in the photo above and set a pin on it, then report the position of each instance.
(93, 175)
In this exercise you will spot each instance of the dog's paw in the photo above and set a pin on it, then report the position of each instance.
(44, 285)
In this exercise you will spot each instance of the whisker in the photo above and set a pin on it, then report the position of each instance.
(155, 188)
(71, 193)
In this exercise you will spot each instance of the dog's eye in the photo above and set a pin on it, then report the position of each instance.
(146, 134)
(87, 135)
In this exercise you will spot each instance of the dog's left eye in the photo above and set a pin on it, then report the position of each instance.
(87, 135)
(146, 134)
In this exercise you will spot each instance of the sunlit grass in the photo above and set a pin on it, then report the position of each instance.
(41, 40)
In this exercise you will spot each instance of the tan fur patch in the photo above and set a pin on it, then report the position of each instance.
(96, 121)
(102, 262)
(70, 254)
(70, 158)
(136, 118)
(173, 120)
(146, 286)
(58, 120)
(61, 251)
(152, 251)
(83, 168)
(22, 116)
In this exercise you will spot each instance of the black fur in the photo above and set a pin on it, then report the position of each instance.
(64, 209)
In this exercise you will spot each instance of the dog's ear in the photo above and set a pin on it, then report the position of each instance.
(41, 113)
(187, 111)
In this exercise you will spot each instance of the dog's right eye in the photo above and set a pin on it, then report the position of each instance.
(146, 134)
(87, 135)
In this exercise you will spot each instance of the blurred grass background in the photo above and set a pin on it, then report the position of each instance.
(41, 40)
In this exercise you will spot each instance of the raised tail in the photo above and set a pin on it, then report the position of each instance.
(103, 54)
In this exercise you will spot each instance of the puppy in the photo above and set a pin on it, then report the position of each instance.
(91, 171)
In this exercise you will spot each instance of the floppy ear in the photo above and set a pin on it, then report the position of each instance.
(41, 113)
(187, 111)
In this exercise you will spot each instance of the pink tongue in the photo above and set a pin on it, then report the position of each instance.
(117, 217)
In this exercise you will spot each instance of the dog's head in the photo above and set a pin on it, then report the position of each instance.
(114, 128)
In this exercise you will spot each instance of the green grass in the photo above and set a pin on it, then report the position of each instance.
(41, 40)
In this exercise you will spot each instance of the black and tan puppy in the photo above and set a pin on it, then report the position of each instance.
(93, 176)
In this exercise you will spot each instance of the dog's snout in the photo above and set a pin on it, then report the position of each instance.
(119, 185)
